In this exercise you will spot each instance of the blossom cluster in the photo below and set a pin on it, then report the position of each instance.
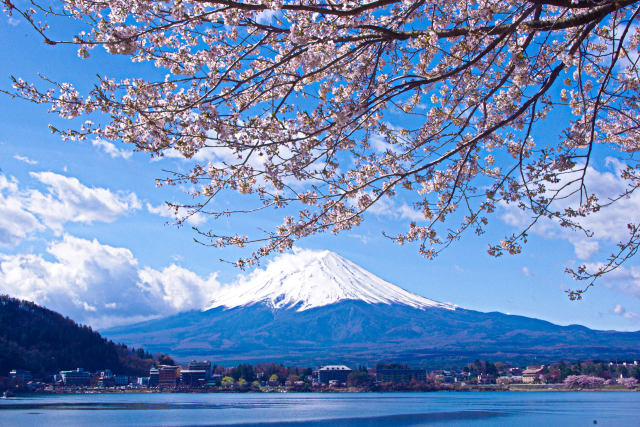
(299, 94)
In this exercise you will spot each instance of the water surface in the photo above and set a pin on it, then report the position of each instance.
(320, 409)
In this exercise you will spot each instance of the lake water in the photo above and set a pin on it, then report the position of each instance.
(315, 409)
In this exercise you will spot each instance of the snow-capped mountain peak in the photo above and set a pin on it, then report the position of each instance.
(306, 279)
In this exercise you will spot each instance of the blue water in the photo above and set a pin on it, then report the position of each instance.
(316, 409)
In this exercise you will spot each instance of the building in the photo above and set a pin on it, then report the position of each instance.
(121, 380)
(167, 375)
(20, 375)
(400, 375)
(338, 373)
(532, 374)
(193, 377)
(205, 365)
(486, 379)
(77, 377)
(154, 377)
(105, 378)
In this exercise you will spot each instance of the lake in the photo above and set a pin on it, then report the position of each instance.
(319, 409)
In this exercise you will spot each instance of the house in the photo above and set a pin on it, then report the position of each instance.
(486, 379)
(106, 378)
(77, 377)
(20, 375)
(337, 373)
(532, 374)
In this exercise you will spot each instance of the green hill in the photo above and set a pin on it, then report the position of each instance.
(43, 341)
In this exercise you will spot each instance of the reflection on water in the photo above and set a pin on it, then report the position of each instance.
(310, 409)
(96, 406)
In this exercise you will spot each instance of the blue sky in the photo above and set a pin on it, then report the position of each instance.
(82, 229)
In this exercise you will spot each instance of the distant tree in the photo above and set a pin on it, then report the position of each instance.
(359, 378)
(43, 341)
(392, 365)
(274, 380)
(628, 382)
(245, 371)
(583, 381)
(165, 359)
(554, 375)
(227, 382)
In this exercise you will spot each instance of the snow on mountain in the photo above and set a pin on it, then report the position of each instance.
(306, 279)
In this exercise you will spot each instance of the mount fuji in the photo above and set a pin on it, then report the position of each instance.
(317, 307)
(308, 279)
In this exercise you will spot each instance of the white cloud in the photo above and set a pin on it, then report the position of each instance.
(609, 225)
(101, 285)
(526, 271)
(68, 200)
(460, 269)
(266, 16)
(380, 141)
(16, 223)
(25, 159)
(624, 62)
(363, 238)
(25, 211)
(621, 311)
(13, 21)
(380, 144)
(165, 211)
(111, 149)
(180, 289)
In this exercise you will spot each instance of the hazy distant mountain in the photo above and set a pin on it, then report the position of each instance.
(316, 307)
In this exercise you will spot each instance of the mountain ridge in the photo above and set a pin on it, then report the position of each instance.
(356, 332)
(43, 341)
(275, 319)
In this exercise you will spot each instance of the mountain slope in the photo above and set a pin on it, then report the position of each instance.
(354, 331)
(316, 307)
(42, 341)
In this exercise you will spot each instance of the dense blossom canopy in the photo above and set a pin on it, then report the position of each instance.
(328, 108)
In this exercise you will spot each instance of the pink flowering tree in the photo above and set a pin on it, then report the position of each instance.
(628, 382)
(299, 102)
(583, 381)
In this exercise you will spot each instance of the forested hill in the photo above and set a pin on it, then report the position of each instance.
(43, 341)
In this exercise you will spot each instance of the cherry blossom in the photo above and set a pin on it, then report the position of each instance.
(304, 98)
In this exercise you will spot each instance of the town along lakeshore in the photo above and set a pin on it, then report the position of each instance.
(206, 377)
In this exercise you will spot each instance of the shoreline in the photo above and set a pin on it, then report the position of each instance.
(471, 389)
